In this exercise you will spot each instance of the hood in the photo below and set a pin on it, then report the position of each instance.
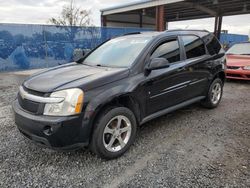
(238, 60)
(74, 75)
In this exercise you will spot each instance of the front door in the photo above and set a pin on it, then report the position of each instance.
(168, 86)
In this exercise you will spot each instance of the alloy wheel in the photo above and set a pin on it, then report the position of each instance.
(216, 93)
(117, 133)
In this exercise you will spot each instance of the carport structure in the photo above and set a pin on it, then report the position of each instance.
(158, 13)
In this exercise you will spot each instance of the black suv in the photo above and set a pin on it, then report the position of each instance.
(100, 100)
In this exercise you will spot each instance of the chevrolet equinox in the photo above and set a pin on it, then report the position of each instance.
(101, 99)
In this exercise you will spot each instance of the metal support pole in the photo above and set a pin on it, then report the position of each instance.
(141, 17)
(104, 21)
(216, 25)
(219, 27)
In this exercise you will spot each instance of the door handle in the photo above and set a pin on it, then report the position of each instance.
(181, 69)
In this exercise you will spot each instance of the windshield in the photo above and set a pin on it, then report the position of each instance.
(119, 52)
(240, 49)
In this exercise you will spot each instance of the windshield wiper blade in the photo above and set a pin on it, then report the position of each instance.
(100, 65)
(80, 61)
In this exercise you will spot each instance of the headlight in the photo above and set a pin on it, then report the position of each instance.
(72, 104)
(246, 67)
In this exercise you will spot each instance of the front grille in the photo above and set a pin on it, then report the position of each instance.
(233, 67)
(29, 105)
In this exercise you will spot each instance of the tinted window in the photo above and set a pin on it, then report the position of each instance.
(169, 50)
(194, 46)
(213, 45)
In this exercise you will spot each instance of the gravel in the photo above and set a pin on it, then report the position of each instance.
(192, 147)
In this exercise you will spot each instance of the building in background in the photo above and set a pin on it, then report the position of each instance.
(157, 13)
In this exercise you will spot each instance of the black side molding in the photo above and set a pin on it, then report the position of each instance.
(171, 109)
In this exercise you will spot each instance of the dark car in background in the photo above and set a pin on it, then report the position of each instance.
(100, 100)
(238, 61)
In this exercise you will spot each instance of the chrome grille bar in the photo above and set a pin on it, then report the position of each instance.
(26, 95)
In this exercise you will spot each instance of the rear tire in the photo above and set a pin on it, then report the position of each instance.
(214, 94)
(114, 132)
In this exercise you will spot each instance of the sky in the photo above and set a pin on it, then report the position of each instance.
(38, 12)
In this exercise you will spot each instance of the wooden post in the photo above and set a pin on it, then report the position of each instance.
(160, 18)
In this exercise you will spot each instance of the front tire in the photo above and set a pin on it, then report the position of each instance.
(114, 132)
(214, 94)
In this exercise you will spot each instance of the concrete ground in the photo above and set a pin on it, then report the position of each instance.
(193, 147)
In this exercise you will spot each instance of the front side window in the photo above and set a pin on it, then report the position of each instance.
(118, 52)
(169, 50)
(194, 46)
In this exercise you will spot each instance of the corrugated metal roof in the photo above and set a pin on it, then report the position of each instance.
(176, 10)
(137, 5)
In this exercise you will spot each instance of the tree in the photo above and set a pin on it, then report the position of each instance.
(73, 18)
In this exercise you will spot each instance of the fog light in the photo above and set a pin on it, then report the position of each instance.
(48, 130)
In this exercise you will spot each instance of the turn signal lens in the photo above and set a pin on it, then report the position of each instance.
(79, 104)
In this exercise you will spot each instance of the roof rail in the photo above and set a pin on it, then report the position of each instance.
(201, 30)
(132, 33)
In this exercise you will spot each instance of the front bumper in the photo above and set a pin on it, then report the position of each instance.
(238, 74)
(54, 132)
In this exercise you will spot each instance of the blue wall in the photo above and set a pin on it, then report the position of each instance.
(229, 39)
(39, 46)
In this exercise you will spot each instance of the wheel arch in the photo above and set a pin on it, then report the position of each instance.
(123, 100)
(221, 75)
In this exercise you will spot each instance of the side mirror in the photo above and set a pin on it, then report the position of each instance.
(80, 53)
(158, 63)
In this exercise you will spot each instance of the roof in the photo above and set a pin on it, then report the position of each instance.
(137, 5)
(176, 10)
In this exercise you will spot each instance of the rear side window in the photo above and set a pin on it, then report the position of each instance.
(194, 46)
(213, 45)
(169, 50)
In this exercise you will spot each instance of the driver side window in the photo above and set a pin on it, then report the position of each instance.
(169, 50)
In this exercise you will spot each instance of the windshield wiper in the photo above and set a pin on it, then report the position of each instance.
(100, 65)
(80, 61)
(245, 54)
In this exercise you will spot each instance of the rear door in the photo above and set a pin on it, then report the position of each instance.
(196, 65)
